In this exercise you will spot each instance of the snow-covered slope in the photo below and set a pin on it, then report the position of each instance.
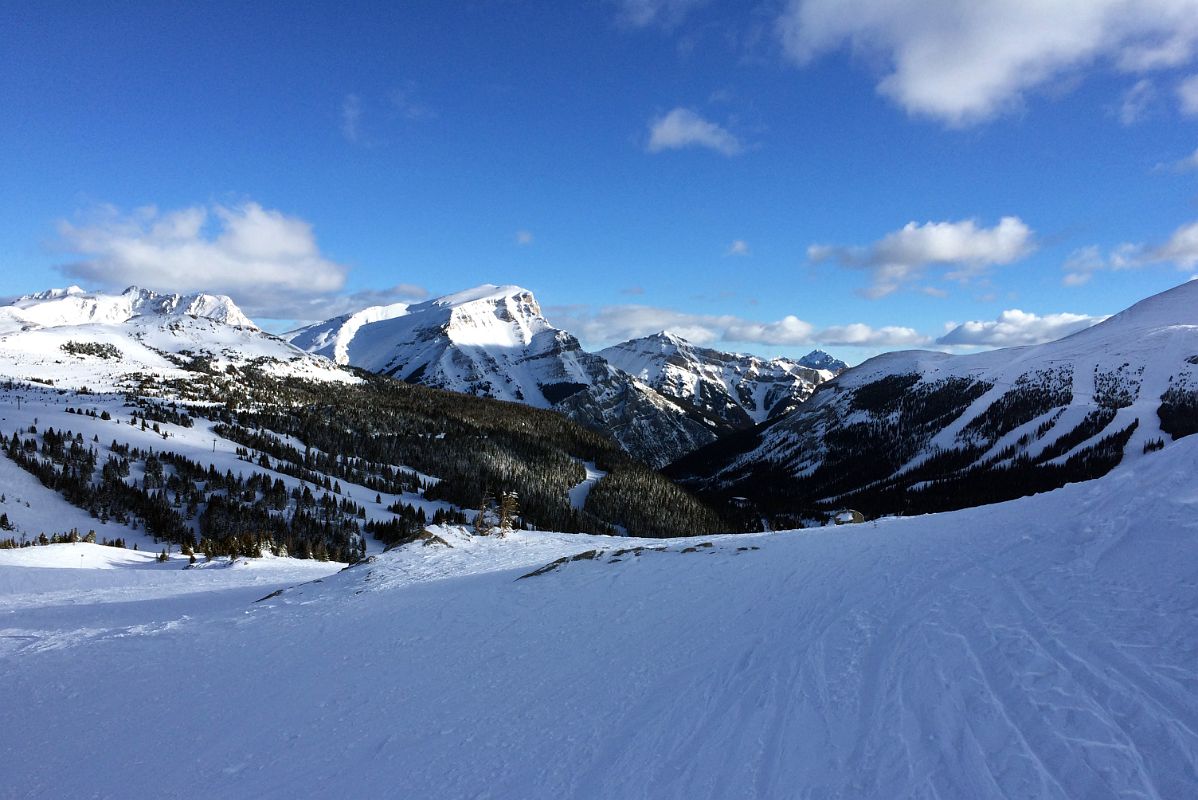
(741, 390)
(493, 341)
(33, 509)
(909, 429)
(332, 337)
(1040, 648)
(74, 339)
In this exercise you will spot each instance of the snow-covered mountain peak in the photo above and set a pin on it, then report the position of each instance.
(493, 341)
(487, 292)
(75, 338)
(74, 306)
(485, 316)
(739, 389)
(818, 359)
(1176, 306)
(52, 294)
(667, 338)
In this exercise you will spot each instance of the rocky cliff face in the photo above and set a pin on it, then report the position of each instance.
(737, 390)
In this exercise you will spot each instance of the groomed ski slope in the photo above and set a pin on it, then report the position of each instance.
(1042, 648)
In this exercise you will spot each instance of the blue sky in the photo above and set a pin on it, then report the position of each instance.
(852, 174)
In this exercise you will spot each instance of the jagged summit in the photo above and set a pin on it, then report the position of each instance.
(51, 294)
(74, 338)
(741, 390)
(494, 341)
(818, 359)
(75, 306)
(401, 338)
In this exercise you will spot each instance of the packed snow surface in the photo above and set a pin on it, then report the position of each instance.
(1042, 648)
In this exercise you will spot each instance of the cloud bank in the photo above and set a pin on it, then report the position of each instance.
(267, 261)
(967, 62)
(900, 257)
(1014, 327)
(611, 324)
(1180, 250)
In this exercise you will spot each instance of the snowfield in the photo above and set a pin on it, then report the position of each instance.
(1041, 648)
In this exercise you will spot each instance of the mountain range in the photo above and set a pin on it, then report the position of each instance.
(917, 431)
(774, 440)
(140, 339)
(660, 397)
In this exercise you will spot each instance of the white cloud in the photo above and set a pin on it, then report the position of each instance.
(739, 247)
(901, 256)
(1137, 101)
(789, 330)
(524, 238)
(861, 335)
(664, 13)
(405, 101)
(266, 260)
(1187, 93)
(684, 128)
(351, 117)
(1180, 250)
(966, 62)
(611, 324)
(1187, 164)
(1014, 327)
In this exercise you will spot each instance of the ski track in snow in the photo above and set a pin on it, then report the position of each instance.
(1040, 648)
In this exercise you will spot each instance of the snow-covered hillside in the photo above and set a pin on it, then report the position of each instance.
(740, 389)
(912, 430)
(102, 424)
(140, 339)
(493, 341)
(1040, 648)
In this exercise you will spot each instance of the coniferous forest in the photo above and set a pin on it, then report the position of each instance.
(382, 435)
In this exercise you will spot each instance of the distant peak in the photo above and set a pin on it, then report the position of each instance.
(818, 359)
(487, 291)
(54, 294)
(49, 308)
(662, 338)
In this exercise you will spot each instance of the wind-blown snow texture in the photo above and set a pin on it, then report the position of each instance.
(1041, 648)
